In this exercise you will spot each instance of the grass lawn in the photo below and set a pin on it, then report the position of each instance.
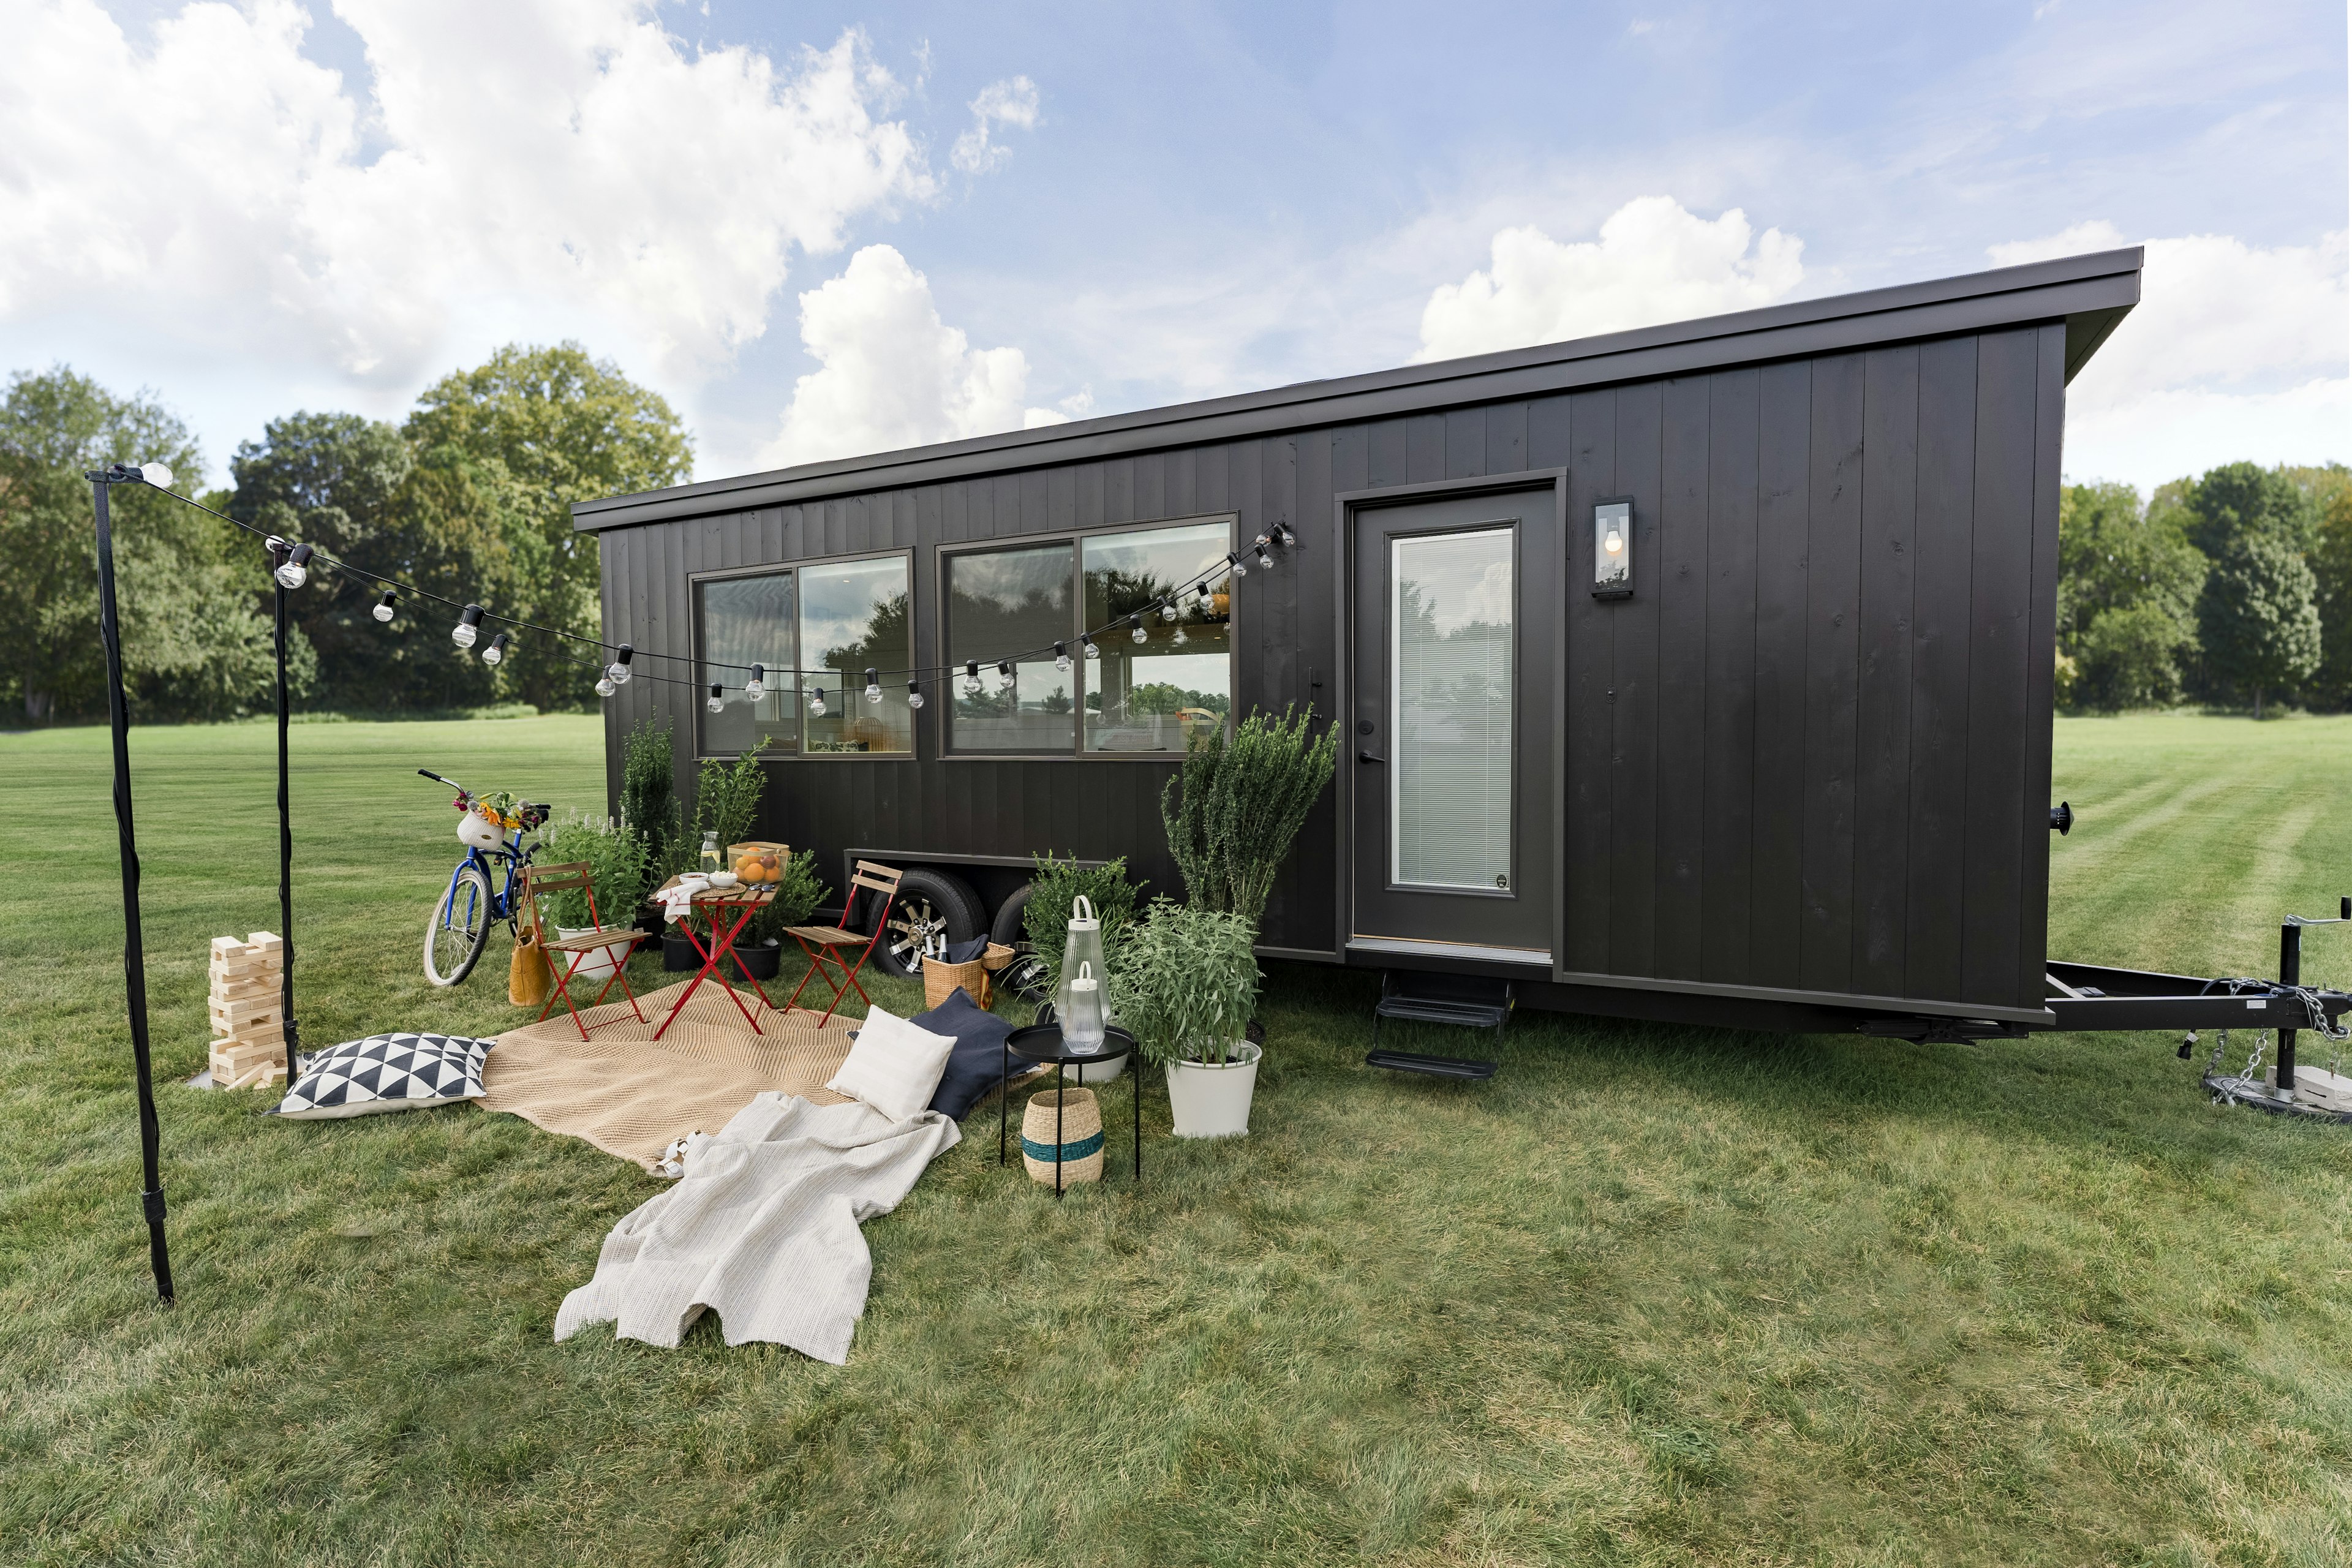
(1652, 1296)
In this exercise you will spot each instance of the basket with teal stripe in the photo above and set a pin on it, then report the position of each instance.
(1081, 1133)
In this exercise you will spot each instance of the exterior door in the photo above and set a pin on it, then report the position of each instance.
(1452, 631)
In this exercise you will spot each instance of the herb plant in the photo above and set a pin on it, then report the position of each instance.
(1185, 984)
(1232, 813)
(1056, 886)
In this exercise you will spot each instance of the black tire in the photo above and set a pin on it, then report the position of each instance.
(929, 903)
(451, 951)
(1007, 927)
(1024, 977)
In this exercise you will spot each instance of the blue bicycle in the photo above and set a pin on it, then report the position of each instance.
(474, 901)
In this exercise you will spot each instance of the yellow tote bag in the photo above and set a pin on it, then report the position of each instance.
(528, 979)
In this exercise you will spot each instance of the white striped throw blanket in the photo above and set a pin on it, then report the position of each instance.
(763, 1228)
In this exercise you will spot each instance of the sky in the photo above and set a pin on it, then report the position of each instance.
(827, 229)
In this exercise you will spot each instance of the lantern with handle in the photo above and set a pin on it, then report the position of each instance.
(1083, 951)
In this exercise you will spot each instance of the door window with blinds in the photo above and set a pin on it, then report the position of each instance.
(1157, 678)
(1452, 611)
(831, 620)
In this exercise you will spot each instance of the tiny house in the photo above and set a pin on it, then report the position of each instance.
(1697, 672)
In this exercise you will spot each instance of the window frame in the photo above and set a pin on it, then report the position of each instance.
(1075, 538)
(694, 581)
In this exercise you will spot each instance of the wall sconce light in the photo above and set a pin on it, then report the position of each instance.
(1612, 548)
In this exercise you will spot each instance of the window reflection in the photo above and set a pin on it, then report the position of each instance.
(853, 619)
(1004, 603)
(1154, 696)
(746, 621)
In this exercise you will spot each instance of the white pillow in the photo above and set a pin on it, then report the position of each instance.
(894, 1067)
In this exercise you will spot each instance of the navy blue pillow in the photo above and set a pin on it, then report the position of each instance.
(977, 1061)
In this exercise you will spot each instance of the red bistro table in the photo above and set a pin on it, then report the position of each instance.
(714, 903)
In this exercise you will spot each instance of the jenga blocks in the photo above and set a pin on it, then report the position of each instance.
(246, 1009)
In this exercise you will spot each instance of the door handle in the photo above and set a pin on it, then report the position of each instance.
(1368, 757)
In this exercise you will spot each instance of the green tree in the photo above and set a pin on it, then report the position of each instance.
(2259, 616)
(564, 427)
(2127, 587)
(2330, 558)
(195, 643)
(2240, 498)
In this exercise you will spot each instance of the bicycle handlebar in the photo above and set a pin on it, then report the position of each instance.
(437, 778)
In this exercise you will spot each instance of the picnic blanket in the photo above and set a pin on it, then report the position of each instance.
(763, 1228)
(633, 1096)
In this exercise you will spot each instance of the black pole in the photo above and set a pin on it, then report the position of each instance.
(134, 955)
(277, 553)
(2290, 973)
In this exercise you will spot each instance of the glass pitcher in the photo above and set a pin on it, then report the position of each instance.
(1081, 1024)
(713, 857)
(1084, 947)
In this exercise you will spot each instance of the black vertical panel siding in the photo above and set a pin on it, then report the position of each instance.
(1729, 805)
(1680, 586)
(1832, 589)
(1890, 499)
(1633, 753)
(1811, 753)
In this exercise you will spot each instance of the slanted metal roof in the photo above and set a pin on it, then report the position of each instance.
(2090, 293)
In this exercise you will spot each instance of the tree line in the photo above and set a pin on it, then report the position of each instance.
(469, 496)
(2231, 589)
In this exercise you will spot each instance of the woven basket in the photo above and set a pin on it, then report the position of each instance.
(941, 978)
(1082, 1136)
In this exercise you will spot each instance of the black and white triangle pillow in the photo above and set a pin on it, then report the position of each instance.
(387, 1072)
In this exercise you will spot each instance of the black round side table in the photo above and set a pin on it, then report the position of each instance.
(1044, 1043)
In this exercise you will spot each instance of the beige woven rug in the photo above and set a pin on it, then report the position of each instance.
(632, 1095)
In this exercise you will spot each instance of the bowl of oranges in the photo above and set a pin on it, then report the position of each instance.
(758, 864)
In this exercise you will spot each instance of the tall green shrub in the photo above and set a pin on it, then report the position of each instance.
(1056, 886)
(648, 792)
(727, 801)
(1233, 812)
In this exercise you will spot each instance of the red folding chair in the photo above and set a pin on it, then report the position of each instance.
(825, 945)
(540, 881)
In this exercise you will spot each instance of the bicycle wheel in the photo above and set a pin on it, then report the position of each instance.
(460, 927)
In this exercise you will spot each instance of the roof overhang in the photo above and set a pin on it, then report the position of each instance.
(2091, 294)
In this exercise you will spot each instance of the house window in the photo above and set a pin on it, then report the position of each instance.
(835, 621)
(1135, 698)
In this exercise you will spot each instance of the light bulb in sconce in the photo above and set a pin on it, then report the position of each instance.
(1614, 543)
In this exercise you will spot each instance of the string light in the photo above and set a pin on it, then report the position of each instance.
(873, 686)
(1062, 657)
(816, 701)
(1168, 609)
(605, 686)
(295, 570)
(497, 651)
(1004, 670)
(383, 603)
(1208, 600)
(971, 678)
(717, 702)
(1283, 536)
(1087, 641)
(1265, 562)
(617, 672)
(469, 621)
(1233, 560)
(756, 688)
(1138, 634)
(914, 694)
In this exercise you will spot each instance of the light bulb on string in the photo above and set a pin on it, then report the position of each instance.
(384, 605)
(717, 702)
(1168, 609)
(618, 670)
(873, 686)
(971, 678)
(469, 626)
(1235, 561)
(497, 651)
(156, 474)
(1284, 536)
(757, 687)
(1088, 643)
(1062, 657)
(1208, 600)
(914, 694)
(1264, 561)
(295, 570)
(816, 701)
(605, 686)
(1138, 634)
(1004, 675)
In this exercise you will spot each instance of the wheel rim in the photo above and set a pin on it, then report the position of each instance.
(1024, 977)
(457, 927)
(912, 922)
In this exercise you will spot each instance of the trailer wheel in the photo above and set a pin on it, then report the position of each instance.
(930, 904)
(1025, 975)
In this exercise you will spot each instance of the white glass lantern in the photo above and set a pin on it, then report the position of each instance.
(1612, 548)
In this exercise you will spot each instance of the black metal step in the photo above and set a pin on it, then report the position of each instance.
(1445, 1010)
(1435, 1066)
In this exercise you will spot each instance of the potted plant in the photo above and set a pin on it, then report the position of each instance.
(1046, 922)
(616, 873)
(799, 891)
(1185, 986)
(1233, 810)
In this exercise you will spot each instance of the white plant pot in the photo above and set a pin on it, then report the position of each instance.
(1211, 1102)
(595, 964)
(1097, 1072)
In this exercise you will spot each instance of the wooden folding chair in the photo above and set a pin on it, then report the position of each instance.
(540, 881)
(823, 944)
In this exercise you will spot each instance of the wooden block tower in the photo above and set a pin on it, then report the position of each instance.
(247, 1010)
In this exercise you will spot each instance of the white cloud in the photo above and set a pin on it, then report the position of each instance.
(895, 375)
(1654, 262)
(1013, 102)
(2234, 352)
(574, 170)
